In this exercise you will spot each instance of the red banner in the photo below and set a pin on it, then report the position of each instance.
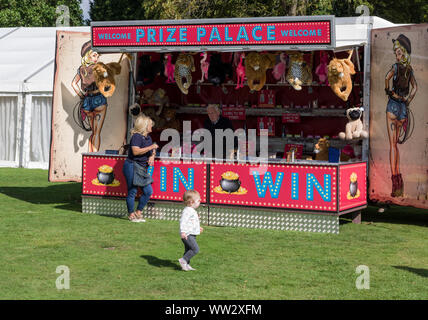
(275, 186)
(102, 176)
(284, 186)
(234, 112)
(291, 118)
(352, 186)
(273, 33)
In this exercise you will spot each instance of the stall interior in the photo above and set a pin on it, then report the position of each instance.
(296, 103)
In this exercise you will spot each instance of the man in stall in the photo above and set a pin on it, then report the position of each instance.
(216, 121)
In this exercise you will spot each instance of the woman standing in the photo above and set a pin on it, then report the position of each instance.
(141, 155)
(400, 97)
(93, 103)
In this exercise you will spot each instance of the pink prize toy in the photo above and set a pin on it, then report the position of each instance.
(279, 69)
(169, 69)
(321, 69)
(204, 66)
(240, 72)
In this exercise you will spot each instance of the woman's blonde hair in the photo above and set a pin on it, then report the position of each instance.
(141, 125)
(190, 196)
(406, 56)
(405, 60)
(86, 61)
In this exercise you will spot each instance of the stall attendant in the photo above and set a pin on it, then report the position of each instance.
(399, 99)
(216, 121)
(93, 104)
(141, 155)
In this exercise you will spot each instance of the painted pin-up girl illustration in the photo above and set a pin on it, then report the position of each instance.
(397, 110)
(93, 104)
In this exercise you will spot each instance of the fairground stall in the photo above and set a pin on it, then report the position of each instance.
(289, 83)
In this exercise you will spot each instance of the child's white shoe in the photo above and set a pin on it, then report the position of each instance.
(183, 264)
(190, 268)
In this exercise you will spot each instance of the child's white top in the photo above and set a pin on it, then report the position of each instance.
(189, 221)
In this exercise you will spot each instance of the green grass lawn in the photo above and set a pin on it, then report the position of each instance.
(42, 227)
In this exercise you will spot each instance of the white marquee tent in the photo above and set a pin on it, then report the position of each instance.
(27, 58)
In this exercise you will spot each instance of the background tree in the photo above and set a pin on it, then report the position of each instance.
(406, 11)
(37, 13)
(117, 10)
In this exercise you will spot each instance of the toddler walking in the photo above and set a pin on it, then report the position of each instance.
(190, 228)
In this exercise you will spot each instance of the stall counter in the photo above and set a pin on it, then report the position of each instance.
(305, 188)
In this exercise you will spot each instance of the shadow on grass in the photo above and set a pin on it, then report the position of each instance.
(66, 196)
(392, 214)
(160, 263)
(419, 272)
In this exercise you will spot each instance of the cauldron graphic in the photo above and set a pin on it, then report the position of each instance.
(353, 192)
(105, 174)
(230, 182)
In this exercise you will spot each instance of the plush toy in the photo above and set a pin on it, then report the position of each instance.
(169, 69)
(184, 66)
(135, 110)
(339, 76)
(347, 153)
(354, 127)
(256, 65)
(170, 119)
(148, 70)
(240, 72)
(279, 69)
(151, 97)
(204, 66)
(104, 75)
(299, 72)
(322, 69)
(154, 114)
(218, 71)
(321, 149)
(146, 97)
(160, 98)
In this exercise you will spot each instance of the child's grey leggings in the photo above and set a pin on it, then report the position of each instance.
(190, 247)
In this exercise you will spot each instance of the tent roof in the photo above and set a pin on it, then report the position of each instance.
(27, 56)
(352, 31)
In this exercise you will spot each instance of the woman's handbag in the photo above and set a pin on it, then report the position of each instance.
(141, 177)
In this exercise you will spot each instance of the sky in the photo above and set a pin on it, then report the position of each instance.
(85, 7)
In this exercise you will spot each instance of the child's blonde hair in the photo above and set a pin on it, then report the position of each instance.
(190, 196)
(141, 125)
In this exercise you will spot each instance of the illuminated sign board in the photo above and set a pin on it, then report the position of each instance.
(146, 35)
